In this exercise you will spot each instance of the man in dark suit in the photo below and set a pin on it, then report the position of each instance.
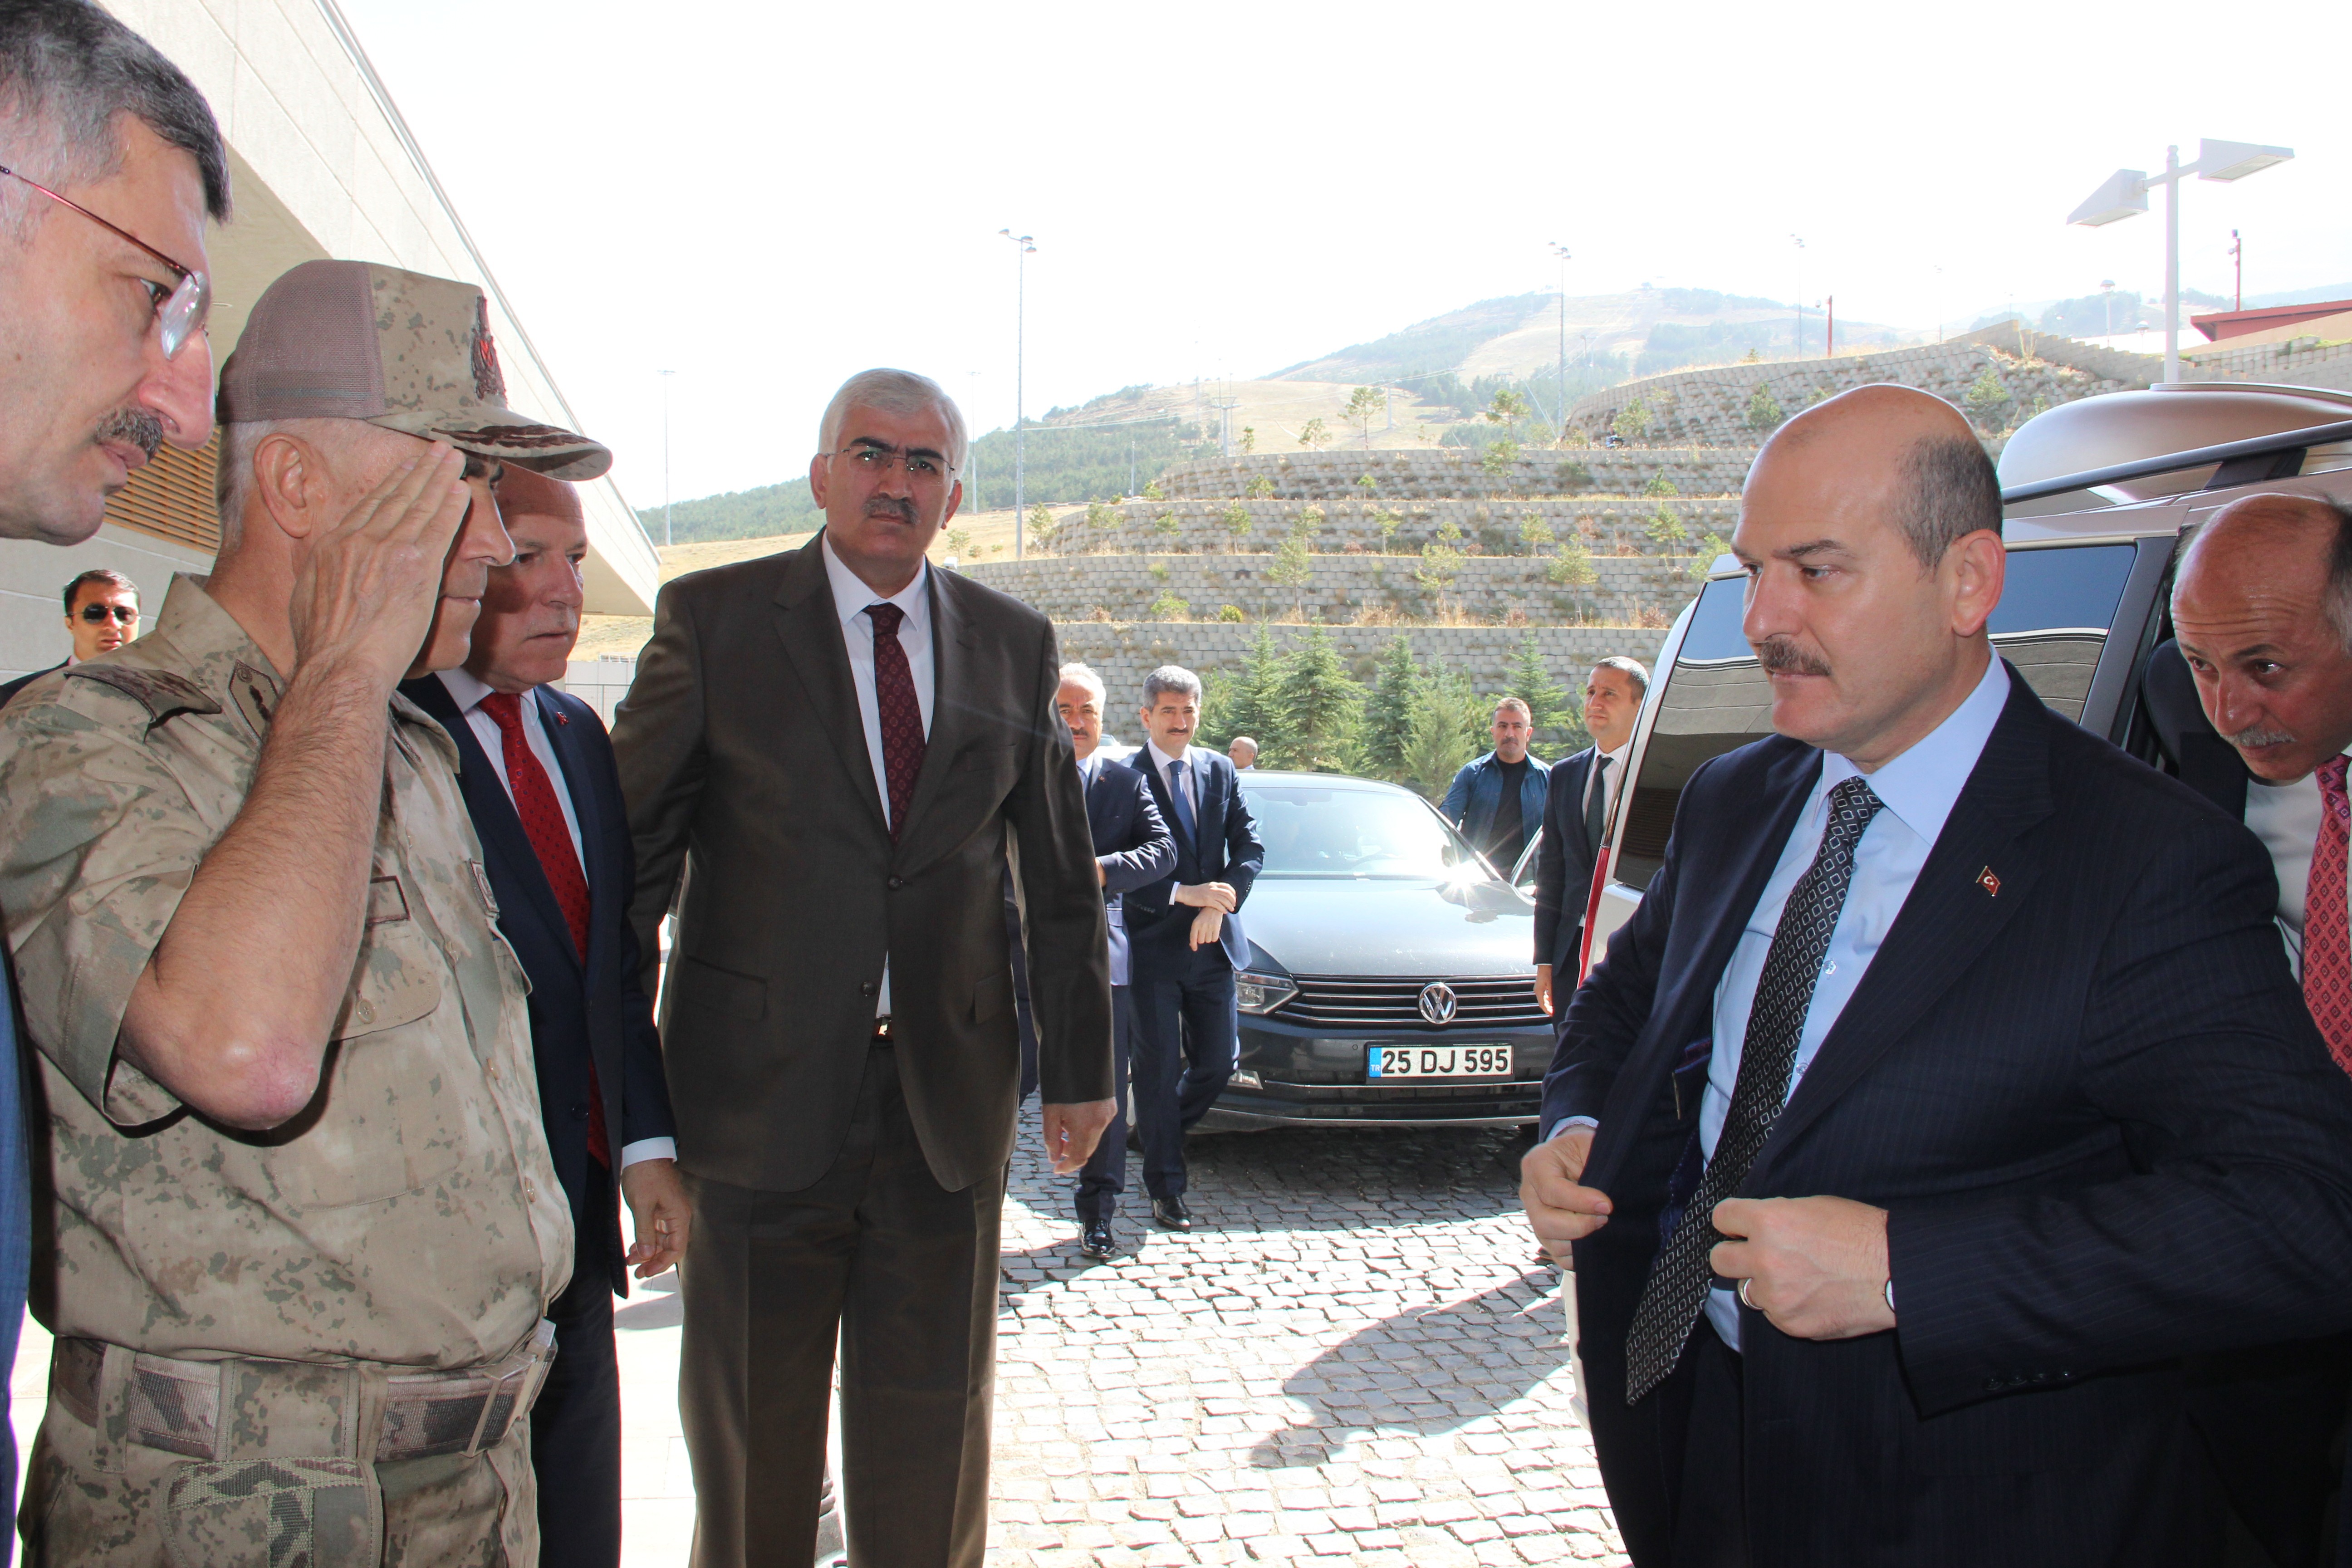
(537, 773)
(1187, 938)
(827, 755)
(2253, 705)
(1578, 810)
(101, 615)
(2059, 1116)
(1132, 848)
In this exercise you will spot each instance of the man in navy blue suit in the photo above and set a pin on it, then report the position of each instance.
(1947, 1088)
(1580, 804)
(1186, 935)
(1132, 848)
(538, 776)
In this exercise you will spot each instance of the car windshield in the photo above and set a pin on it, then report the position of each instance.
(1318, 831)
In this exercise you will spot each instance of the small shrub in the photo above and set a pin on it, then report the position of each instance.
(1366, 483)
(1158, 570)
(1660, 485)
(1573, 476)
(1313, 433)
(1249, 437)
(1151, 490)
(1632, 421)
(1164, 523)
(1236, 519)
(1712, 546)
(1535, 532)
(1763, 408)
(1572, 567)
(1666, 527)
(1168, 607)
(1042, 526)
(1230, 613)
(1260, 486)
(1499, 457)
(1388, 522)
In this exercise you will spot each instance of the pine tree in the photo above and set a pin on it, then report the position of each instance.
(1547, 699)
(1319, 701)
(1247, 703)
(1445, 732)
(1387, 731)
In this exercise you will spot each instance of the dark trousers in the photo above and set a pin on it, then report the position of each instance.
(1186, 1040)
(575, 1428)
(902, 1274)
(1711, 1507)
(2270, 1419)
(1104, 1176)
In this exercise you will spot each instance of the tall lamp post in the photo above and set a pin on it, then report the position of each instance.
(1561, 251)
(666, 375)
(1022, 246)
(1799, 242)
(2126, 192)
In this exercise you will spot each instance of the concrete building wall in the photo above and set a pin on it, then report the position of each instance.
(32, 576)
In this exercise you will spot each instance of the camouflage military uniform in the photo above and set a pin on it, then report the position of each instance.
(247, 1323)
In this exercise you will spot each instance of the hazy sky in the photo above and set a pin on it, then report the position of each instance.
(764, 198)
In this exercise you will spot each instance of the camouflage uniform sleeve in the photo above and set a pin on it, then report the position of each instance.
(98, 839)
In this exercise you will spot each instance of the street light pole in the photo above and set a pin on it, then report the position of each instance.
(666, 533)
(2126, 192)
(1561, 251)
(1801, 296)
(1022, 246)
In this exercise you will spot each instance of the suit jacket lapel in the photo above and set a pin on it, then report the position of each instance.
(952, 638)
(1791, 783)
(1950, 915)
(579, 776)
(810, 625)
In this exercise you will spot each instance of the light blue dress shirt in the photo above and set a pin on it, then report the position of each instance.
(1918, 790)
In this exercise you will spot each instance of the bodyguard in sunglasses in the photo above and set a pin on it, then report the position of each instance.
(101, 615)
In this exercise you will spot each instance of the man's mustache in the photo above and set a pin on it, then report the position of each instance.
(136, 427)
(884, 506)
(2257, 736)
(1782, 656)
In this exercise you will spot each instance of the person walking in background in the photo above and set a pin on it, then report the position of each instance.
(299, 1179)
(1580, 804)
(537, 774)
(1497, 801)
(1186, 936)
(827, 754)
(1132, 848)
(106, 149)
(1947, 1088)
(2253, 704)
(1244, 753)
(101, 615)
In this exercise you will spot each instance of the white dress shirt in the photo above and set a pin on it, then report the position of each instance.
(2286, 818)
(1918, 790)
(850, 597)
(467, 692)
(1182, 779)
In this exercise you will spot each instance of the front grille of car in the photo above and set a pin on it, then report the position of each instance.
(1367, 1004)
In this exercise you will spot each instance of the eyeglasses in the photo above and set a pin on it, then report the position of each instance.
(924, 466)
(180, 313)
(97, 614)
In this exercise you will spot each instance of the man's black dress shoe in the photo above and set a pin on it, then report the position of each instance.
(1134, 1142)
(1097, 1243)
(1169, 1214)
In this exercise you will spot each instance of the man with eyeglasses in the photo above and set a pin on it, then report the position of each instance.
(828, 755)
(101, 615)
(114, 165)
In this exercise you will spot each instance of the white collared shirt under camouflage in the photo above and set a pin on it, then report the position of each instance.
(411, 1217)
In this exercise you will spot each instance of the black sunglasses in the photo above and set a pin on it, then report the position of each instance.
(97, 615)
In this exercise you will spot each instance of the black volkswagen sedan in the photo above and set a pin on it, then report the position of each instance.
(1390, 969)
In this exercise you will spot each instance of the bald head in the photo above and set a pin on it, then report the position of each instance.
(521, 490)
(1870, 528)
(530, 615)
(2263, 608)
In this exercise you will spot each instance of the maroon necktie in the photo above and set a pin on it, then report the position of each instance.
(2326, 951)
(901, 714)
(543, 823)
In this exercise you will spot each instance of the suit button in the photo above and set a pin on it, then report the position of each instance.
(580, 1112)
(866, 988)
(896, 882)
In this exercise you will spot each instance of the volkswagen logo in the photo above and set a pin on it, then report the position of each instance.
(1437, 1003)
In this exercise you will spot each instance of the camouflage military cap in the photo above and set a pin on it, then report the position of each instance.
(353, 339)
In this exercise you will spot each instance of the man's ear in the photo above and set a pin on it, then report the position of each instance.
(291, 479)
(819, 472)
(1979, 564)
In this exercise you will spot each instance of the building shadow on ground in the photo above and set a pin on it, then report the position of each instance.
(1425, 1373)
(653, 1303)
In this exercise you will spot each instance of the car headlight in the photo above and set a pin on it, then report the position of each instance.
(1258, 993)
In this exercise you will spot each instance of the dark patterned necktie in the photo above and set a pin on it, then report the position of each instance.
(1679, 1281)
(901, 714)
(2327, 942)
(543, 823)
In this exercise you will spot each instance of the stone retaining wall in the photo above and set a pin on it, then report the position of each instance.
(1123, 653)
(1426, 475)
(1613, 526)
(2315, 365)
(1339, 588)
(1713, 406)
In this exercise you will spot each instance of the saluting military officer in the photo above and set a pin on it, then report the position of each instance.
(306, 1222)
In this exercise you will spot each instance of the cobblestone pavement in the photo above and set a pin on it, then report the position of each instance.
(1352, 1357)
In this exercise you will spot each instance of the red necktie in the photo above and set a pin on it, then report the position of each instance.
(901, 714)
(2326, 951)
(543, 823)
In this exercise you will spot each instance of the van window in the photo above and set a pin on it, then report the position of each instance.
(2056, 606)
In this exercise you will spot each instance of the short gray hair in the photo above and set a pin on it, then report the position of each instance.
(1950, 491)
(1633, 668)
(1520, 703)
(233, 474)
(67, 73)
(1171, 678)
(895, 392)
(1075, 674)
